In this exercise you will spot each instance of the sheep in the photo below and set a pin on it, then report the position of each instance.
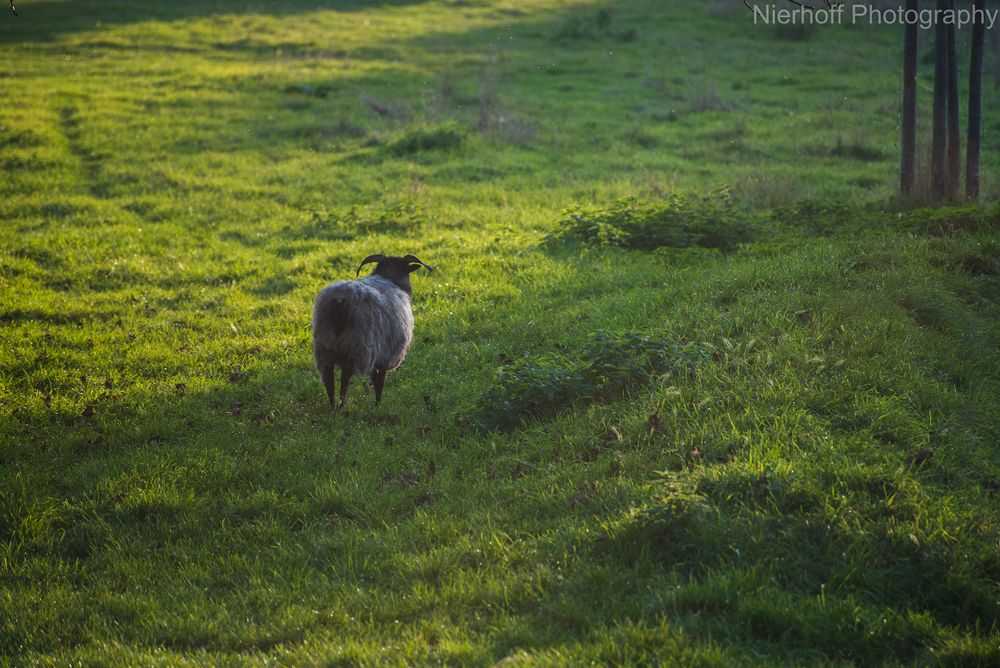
(364, 326)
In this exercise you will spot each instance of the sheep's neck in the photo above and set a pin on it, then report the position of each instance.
(400, 280)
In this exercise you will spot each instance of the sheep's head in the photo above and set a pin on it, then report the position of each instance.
(396, 269)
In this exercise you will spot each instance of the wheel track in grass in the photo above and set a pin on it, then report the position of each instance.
(91, 161)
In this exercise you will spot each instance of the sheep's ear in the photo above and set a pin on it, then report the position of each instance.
(414, 260)
(378, 257)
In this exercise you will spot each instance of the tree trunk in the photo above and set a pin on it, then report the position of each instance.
(939, 138)
(954, 129)
(975, 103)
(908, 162)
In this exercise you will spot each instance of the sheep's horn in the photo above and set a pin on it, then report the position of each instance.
(378, 257)
(413, 258)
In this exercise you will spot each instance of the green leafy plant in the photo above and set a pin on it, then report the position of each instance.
(605, 368)
(679, 221)
(816, 216)
(400, 217)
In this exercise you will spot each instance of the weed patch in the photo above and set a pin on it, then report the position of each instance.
(817, 217)
(403, 217)
(608, 366)
(583, 26)
(680, 221)
(440, 138)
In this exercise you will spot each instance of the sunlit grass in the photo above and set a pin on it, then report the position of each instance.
(181, 179)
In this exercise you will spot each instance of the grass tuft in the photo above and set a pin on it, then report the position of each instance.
(431, 138)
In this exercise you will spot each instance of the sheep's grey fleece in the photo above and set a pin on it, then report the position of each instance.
(379, 329)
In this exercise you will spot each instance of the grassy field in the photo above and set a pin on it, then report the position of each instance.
(749, 415)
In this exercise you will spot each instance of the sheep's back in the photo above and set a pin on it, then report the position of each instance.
(375, 323)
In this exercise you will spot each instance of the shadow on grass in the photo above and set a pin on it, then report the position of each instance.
(251, 496)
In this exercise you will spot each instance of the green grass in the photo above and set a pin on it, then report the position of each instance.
(782, 453)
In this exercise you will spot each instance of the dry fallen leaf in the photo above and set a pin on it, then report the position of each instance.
(654, 422)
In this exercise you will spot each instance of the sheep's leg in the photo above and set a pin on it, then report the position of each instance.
(378, 380)
(326, 373)
(345, 378)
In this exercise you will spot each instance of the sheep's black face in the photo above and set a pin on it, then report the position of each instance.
(396, 269)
